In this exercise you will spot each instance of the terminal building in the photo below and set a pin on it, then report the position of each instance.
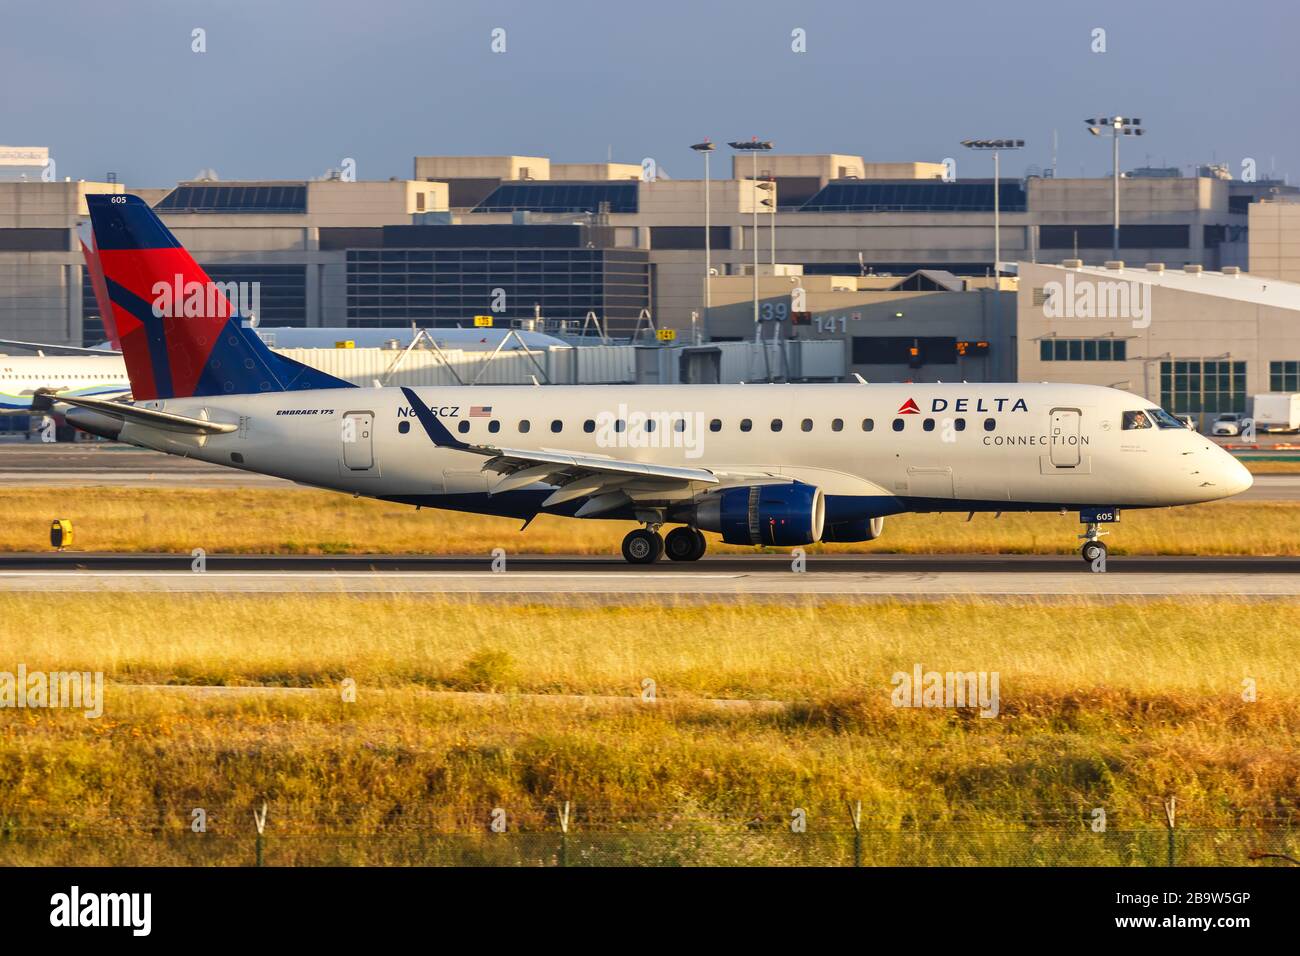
(1197, 342)
(891, 259)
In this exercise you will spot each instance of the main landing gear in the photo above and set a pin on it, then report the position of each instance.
(646, 546)
(685, 544)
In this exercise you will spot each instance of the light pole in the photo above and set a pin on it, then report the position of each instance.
(755, 146)
(996, 146)
(770, 186)
(1118, 126)
(705, 148)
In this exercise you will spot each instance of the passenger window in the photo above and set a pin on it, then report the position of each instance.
(589, 426)
(524, 426)
(715, 425)
(1136, 419)
(557, 426)
(463, 427)
(494, 426)
(403, 427)
(928, 424)
(776, 424)
(990, 424)
(746, 424)
(898, 424)
(959, 424)
(649, 425)
(679, 424)
(806, 424)
(620, 426)
(868, 424)
(837, 424)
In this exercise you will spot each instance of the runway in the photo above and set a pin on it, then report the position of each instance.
(26, 465)
(608, 580)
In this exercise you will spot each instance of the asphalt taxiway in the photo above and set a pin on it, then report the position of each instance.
(610, 580)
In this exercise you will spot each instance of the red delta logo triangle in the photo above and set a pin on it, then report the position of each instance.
(909, 408)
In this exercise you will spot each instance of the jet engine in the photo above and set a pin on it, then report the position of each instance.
(860, 529)
(782, 515)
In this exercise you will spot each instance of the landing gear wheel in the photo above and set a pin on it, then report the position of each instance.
(1092, 550)
(684, 544)
(642, 546)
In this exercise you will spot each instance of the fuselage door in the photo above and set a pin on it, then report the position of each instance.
(1065, 437)
(357, 436)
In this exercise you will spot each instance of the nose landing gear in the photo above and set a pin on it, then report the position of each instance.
(1093, 518)
(1092, 548)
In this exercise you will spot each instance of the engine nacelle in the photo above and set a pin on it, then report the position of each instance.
(861, 529)
(781, 515)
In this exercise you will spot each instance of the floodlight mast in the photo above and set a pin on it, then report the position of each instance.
(1117, 126)
(755, 146)
(705, 148)
(996, 146)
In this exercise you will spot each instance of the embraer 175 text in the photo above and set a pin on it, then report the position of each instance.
(782, 465)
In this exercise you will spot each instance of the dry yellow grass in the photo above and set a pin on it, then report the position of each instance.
(1115, 708)
(315, 522)
(1272, 467)
(803, 652)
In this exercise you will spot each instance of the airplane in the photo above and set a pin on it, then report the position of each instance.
(21, 377)
(781, 465)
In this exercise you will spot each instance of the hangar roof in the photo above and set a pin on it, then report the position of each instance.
(1242, 287)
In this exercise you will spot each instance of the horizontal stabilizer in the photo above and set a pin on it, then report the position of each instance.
(134, 413)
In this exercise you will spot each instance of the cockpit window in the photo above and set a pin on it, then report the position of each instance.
(1164, 419)
(1136, 419)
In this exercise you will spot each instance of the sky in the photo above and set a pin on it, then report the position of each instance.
(288, 90)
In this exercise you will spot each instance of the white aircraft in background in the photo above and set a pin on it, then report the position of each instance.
(782, 465)
(83, 376)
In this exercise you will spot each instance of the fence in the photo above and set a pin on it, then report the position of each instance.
(691, 847)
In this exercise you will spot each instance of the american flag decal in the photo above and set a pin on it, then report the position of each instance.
(480, 411)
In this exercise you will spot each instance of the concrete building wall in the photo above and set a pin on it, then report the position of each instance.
(40, 289)
(1275, 239)
(595, 171)
(842, 312)
(482, 167)
(1210, 317)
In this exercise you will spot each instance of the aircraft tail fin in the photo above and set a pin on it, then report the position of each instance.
(181, 333)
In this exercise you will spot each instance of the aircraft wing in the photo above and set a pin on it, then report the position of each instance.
(45, 347)
(606, 483)
(123, 412)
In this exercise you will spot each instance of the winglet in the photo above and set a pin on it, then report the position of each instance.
(436, 430)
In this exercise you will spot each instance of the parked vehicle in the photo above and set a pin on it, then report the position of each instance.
(1228, 423)
(1277, 411)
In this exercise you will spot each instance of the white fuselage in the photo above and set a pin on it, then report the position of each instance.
(90, 376)
(1035, 446)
